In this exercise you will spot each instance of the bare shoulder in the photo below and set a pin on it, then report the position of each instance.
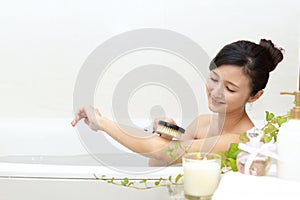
(201, 120)
(200, 126)
(204, 118)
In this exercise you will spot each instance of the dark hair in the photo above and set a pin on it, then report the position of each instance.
(256, 60)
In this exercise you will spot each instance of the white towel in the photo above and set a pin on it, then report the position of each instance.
(237, 186)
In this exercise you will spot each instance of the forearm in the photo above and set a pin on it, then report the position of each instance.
(136, 140)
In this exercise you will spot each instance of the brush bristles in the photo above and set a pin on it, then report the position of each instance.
(168, 131)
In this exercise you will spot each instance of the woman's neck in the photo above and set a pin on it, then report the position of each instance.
(230, 121)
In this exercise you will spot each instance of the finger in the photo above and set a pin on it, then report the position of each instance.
(76, 120)
(82, 113)
(78, 116)
(98, 112)
(155, 124)
(171, 121)
(91, 113)
(73, 123)
(86, 120)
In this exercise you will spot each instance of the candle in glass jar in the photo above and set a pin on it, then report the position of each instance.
(201, 174)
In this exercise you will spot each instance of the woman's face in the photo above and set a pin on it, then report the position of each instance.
(227, 89)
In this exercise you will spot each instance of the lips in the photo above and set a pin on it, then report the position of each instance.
(216, 101)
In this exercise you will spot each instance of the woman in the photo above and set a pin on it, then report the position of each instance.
(238, 75)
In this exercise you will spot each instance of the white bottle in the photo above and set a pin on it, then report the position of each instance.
(288, 144)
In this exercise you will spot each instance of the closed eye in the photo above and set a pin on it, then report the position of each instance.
(214, 80)
(229, 89)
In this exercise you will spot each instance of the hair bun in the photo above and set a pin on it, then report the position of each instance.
(275, 53)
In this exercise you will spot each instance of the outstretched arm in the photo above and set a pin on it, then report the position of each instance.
(162, 152)
(134, 139)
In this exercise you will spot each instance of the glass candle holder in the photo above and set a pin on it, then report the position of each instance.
(201, 175)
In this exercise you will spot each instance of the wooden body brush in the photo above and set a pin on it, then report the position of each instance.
(169, 131)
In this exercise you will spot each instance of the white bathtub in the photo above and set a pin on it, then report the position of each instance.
(45, 159)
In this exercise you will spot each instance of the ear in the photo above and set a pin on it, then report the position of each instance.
(256, 96)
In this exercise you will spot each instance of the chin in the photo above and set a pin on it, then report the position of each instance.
(221, 109)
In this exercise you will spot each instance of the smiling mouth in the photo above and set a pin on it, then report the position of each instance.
(217, 102)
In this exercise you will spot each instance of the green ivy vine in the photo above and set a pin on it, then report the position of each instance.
(270, 131)
(143, 184)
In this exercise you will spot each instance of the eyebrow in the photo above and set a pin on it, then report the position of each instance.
(231, 83)
(215, 73)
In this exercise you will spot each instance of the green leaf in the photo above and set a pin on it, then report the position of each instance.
(232, 164)
(177, 146)
(178, 177)
(96, 177)
(143, 181)
(280, 120)
(270, 129)
(111, 180)
(169, 151)
(170, 178)
(269, 116)
(244, 138)
(266, 138)
(158, 182)
(275, 138)
(125, 181)
(230, 155)
(175, 157)
(233, 151)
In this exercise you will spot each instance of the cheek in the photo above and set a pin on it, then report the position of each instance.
(209, 86)
(230, 98)
(209, 90)
(235, 99)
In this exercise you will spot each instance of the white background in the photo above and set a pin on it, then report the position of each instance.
(43, 45)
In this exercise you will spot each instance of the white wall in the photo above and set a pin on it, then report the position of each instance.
(43, 44)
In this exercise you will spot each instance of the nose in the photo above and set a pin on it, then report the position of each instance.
(218, 91)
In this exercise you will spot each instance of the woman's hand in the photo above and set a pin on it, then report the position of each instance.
(155, 122)
(91, 117)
